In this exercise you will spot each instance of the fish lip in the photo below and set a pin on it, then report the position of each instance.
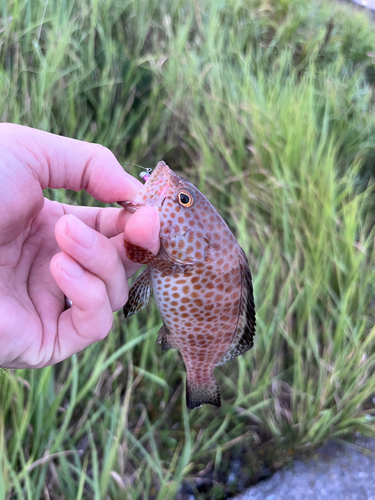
(160, 182)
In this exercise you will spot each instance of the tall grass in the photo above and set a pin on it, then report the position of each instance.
(268, 108)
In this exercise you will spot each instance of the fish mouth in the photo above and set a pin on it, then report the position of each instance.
(154, 201)
(153, 192)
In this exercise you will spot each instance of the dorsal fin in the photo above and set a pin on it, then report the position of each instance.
(243, 338)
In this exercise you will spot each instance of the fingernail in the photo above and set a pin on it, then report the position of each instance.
(70, 266)
(82, 234)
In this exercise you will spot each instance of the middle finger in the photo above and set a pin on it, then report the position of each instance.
(96, 254)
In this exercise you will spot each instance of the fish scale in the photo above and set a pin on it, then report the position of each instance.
(200, 279)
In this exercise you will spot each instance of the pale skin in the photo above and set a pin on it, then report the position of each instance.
(50, 250)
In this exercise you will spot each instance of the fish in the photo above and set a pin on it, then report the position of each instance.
(200, 279)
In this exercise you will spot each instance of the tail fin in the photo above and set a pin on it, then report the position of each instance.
(198, 394)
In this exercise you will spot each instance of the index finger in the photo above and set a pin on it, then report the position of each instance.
(61, 162)
(109, 221)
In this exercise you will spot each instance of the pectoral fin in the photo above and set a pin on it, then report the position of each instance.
(139, 294)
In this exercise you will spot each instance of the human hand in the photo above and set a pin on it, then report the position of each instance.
(50, 249)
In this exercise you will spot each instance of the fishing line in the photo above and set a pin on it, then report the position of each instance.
(143, 175)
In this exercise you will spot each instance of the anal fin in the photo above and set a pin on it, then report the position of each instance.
(198, 394)
(139, 294)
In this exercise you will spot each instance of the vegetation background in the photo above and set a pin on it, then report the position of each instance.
(268, 107)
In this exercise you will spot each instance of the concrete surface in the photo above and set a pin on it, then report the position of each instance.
(338, 472)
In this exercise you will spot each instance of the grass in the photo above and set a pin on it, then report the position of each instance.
(268, 107)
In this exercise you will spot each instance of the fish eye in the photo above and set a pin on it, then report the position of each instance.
(185, 198)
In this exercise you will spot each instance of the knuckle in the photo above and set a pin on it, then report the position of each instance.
(103, 151)
(96, 296)
(102, 334)
(113, 272)
(110, 261)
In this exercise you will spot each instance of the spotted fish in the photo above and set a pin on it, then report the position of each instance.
(200, 279)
